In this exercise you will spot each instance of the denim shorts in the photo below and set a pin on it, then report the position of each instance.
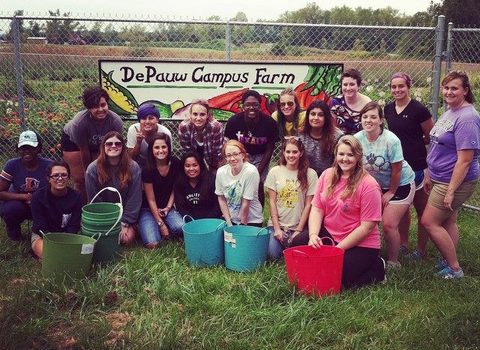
(419, 179)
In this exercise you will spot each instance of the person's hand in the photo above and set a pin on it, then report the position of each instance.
(164, 231)
(28, 198)
(164, 211)
(427, 184)
(279, 235)
(386, 198)
(127, 234)
(315, 241)
(140, 135)
(447, 201)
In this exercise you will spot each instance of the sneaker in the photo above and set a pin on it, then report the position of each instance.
(404, 250)
(441, 264)
(415, 256)
(393, 265)
(449, 273)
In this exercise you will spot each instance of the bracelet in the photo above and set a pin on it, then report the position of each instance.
(126, 225)
(160, 223)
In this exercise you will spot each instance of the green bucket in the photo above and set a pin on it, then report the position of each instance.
(102, 220)
(66, 255)
(245, 247)
(204, 241)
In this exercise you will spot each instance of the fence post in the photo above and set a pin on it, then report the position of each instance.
(437, 64)
(448, 52)
(18, 70)
(228, 42)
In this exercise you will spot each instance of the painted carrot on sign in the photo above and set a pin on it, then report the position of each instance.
(230, 101)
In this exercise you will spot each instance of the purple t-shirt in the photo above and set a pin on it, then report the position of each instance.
(457, 129)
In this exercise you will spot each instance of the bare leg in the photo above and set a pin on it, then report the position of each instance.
(420, 201)
(442, 229)
(392, 214)
(38, 248)
(403, 228)
(77, 170)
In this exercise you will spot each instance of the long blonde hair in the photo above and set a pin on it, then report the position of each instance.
(357, 174)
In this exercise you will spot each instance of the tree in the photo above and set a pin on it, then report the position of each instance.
(59, 31)
(460, 12)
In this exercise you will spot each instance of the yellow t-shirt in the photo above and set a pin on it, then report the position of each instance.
(289, 125)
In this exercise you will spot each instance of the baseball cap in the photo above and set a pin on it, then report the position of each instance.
(28, 138)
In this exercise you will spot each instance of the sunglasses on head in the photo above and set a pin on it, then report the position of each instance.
(289, 104)
(114, 143)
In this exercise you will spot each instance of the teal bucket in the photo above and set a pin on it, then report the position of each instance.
(245, 247)
(66, 255)
(204, 241)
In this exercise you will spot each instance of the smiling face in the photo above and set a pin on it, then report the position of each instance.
(292, 155)
(346, 160)
(454, 93)
(191, 168)
(149, 123)
(58, 179)
(199, 116)
(287, 106)
(100, 111)
(234, 157)
(251, 106)
(160, 150)
(371, 121)
(28, 153)
(399, 88)
(113, 147)
(316, 118)
(349, 87)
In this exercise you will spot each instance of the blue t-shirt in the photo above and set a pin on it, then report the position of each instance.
(379, 155)
(23, 180)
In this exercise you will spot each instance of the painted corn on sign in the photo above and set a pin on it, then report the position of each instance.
(172, 86)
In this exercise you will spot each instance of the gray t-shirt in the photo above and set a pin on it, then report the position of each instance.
(86, 132)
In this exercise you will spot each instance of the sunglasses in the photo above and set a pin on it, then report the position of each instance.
(289, 104)
(59, 176)
(296, 138)
(114, 144)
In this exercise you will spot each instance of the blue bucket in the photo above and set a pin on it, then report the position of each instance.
(204, 241)
(245, 247)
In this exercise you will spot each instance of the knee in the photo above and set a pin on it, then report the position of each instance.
(388, 227)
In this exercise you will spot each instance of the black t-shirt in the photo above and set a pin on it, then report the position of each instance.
(189, 200)
(162, 185)
(256, 138)
(406, 126)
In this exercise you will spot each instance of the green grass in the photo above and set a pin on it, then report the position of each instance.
(155, 300)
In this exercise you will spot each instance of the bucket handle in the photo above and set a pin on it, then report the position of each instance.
(223, 223)
(263, 228)
(110, 188)
(330, 239)
(185, 217)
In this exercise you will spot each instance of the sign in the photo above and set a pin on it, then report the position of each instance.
(172, 86)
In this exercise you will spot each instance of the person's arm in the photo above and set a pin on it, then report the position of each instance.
(357, 235)
(305, 214)
(216, 143)
(92, 185)
(73, 225)
(85, 156)
(464, 160)
(314, 224)
(394, 182)
(272, 197)
(133, 197)
(164, 211)
(244, 211)
(134, 137)
(266, 158)
(148, 188)
(427, 126)
(39, 217)
(222, 202)
(5, 195)
(184, 136)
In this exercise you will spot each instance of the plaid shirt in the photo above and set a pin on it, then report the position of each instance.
(212, 140)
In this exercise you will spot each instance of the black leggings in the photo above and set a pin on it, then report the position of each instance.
(361, 266)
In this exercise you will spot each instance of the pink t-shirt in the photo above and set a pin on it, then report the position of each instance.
(342, 216)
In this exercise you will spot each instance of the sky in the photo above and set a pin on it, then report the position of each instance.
(194, 9)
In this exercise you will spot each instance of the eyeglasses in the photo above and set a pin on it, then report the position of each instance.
(114, 144)
(59, 176)
(296, 138)
(251, 105)
(289, 104)
(232, 155)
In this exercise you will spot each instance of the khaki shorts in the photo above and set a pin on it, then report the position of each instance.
(439, 190)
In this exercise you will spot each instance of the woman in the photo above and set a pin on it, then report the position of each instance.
(115, 168)
(290, 187)
(56, 207)
(383, 159)
(453, 169)
(202, 134)
(346, 107)
(347, 207)
(194, 191)
(319, 136)
(236, 186)
(19, 179)
(158, 219)
(83, 134)
(140, 133)
(290, 119)
(411, 122)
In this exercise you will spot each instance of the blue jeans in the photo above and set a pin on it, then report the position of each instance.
(148, 227)
(14, 213)
(275, 247)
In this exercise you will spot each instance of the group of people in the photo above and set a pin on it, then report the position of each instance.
(341, 173)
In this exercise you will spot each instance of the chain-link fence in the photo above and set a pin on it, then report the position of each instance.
(46, 62)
